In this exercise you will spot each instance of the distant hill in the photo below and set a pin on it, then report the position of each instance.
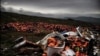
(12, 17)
(89, 19)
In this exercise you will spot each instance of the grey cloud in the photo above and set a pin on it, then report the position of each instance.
(73, 6)
(56, 3)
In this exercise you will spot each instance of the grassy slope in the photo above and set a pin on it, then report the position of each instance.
(8, 37)
(12, 17)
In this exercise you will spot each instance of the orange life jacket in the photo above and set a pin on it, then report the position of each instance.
(52, 42)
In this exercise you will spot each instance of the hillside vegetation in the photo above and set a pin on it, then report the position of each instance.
(8, 36)
(13, 17)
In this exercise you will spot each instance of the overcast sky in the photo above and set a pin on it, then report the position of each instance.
(56, 7)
